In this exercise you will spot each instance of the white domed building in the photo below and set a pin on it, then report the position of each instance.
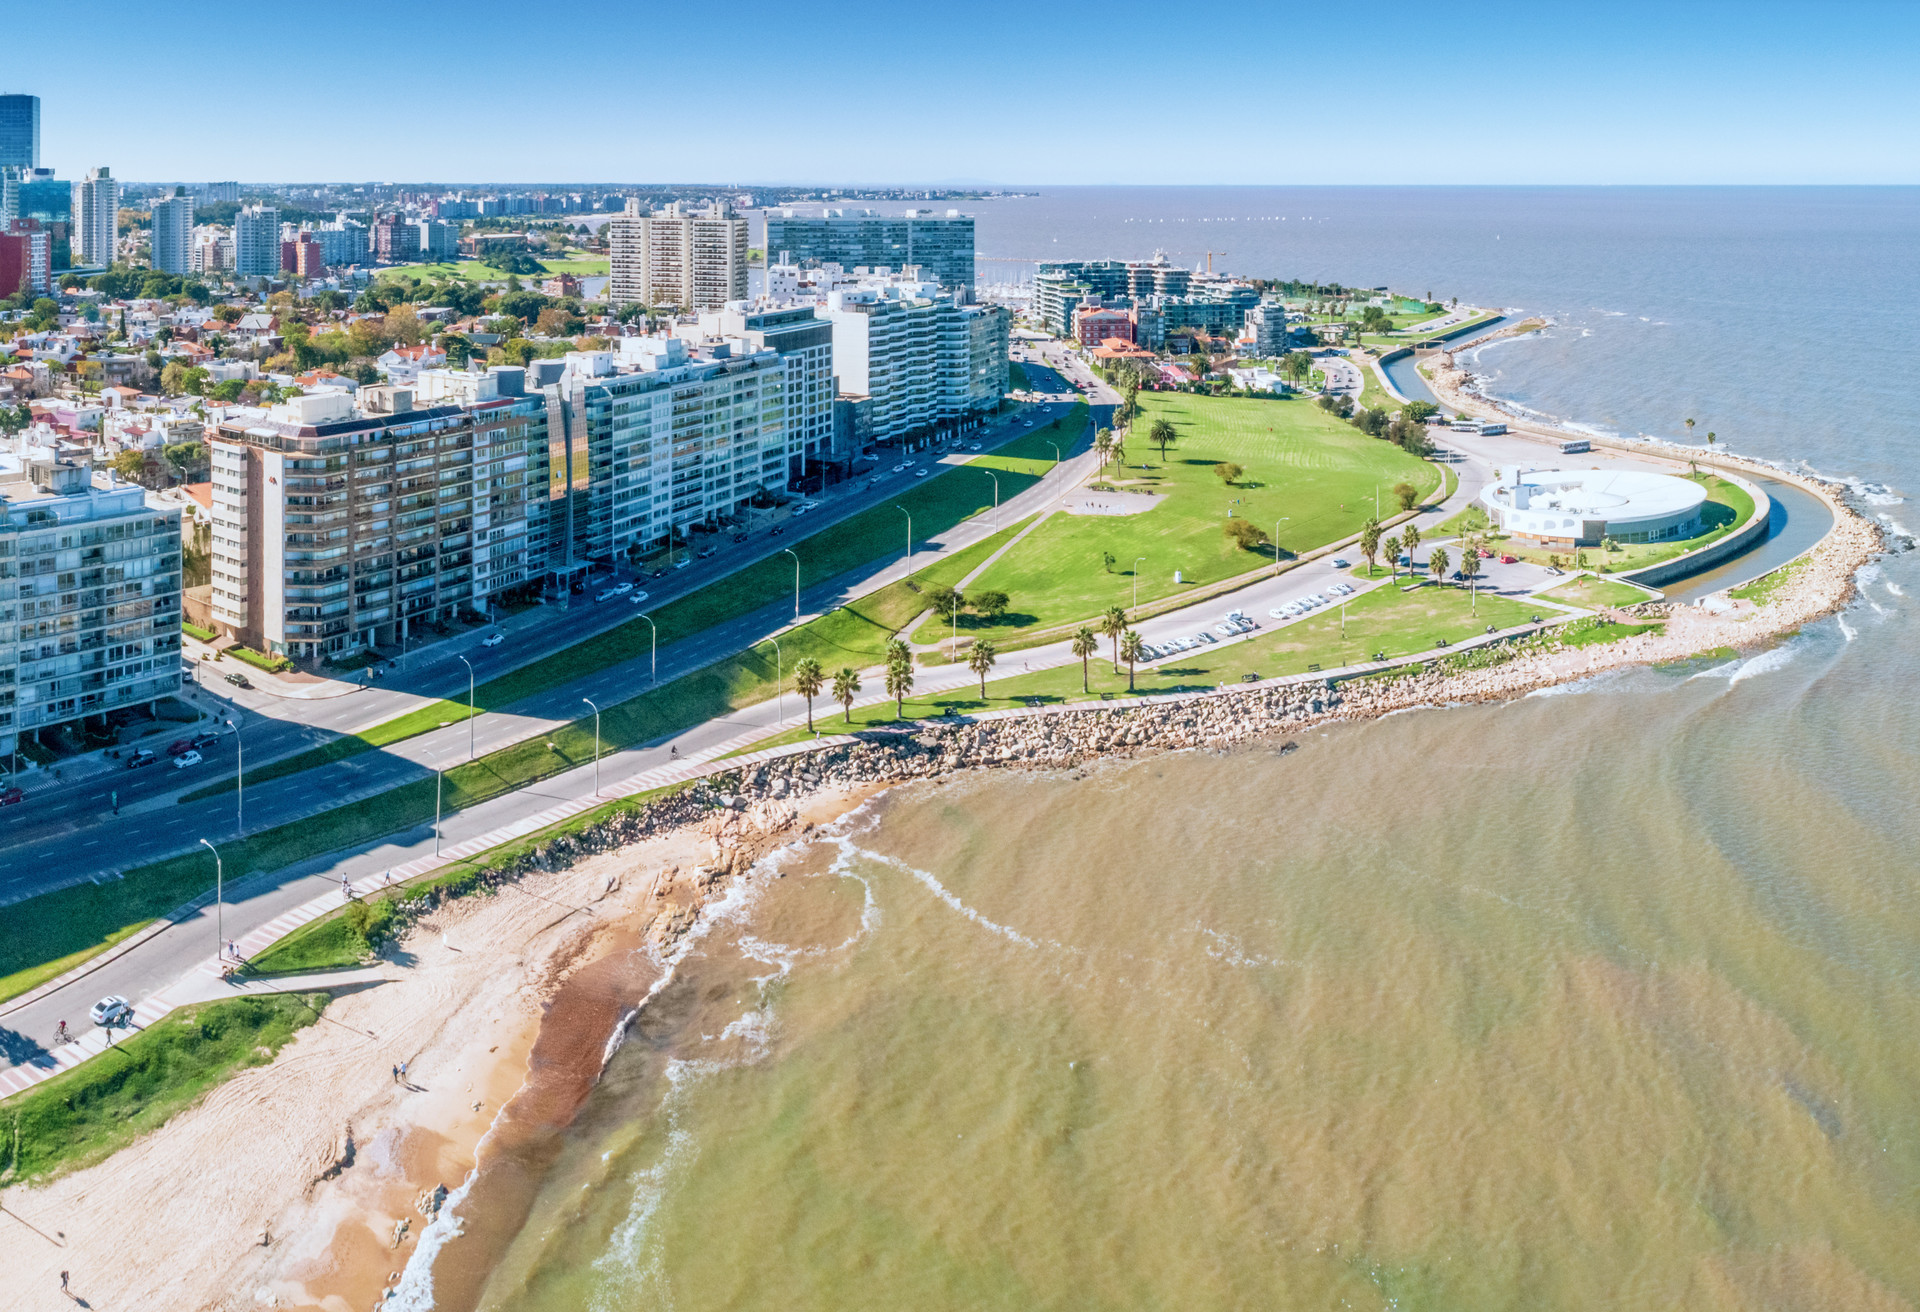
(1582, 507)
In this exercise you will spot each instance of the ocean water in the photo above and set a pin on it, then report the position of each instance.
(1608, 998)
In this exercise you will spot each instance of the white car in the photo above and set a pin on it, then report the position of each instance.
(608, 595)
(919, 473)
(186, 759)
(622, 589)
(1317, 599)
(114, 1010)
(1225, 629)
(637, 598)
(493, 640)
(900, 468)
(973, 446)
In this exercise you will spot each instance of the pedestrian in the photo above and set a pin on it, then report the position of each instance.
(674, 752)
(403, 1072)
(395, 1072)
(63, 1282)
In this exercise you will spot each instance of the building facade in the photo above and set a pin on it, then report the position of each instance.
(804, 343)
(256, 241)
(172, 247)
(941, 246)
(89, 595)
(96, 217)
(396, 241)
(1266, 323)
(677, 257)
(26, 259)
(924, 360)
(20, 132)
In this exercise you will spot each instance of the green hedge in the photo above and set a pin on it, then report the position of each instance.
(271, 664)
(195, 631)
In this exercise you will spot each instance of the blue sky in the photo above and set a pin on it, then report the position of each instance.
(993, 92)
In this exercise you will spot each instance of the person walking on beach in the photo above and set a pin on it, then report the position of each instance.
(403, 1072)
(395, 1070)
(63, 1284)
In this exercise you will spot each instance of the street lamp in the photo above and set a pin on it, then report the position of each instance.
(219, 908)
(239, 778)
(439, 777)
(596, 745)
(1136, 581)
(903, 510)
(996, 497)
(779, 683)
(463, 660)
(655, 629)
(796, 579)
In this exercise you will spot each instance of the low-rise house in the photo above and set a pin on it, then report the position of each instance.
(403, 364)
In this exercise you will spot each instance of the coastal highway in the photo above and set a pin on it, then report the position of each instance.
(67, 830)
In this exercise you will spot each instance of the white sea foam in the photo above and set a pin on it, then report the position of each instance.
(631, 1276)
(1766, 662)
(414, 1290)
(1725, 671)
(940, 891)
(1846, 629)
(1895, 588)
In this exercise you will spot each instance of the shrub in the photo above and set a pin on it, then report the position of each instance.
(195, 631)
(260, 661)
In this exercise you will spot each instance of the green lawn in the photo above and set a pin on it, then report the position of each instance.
(1727, 507)
(55, 931)
(1596, 631)
(1384, 620)
(1594, 592)
(85, 1115)
(1306, 469)
(474, 271)
(1761, 590)
(937, 504)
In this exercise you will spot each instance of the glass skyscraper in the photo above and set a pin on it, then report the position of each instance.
(20, 132)
(940, 245)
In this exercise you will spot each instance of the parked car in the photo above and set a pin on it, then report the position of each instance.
(683, 562)
(186, 759)
(112, 1010)
(142, 757)
(179, 745)
(778, 529)
(708, 553)
(622, 589)
(12, 795)
(610, 593)
(739, 537)
(919, 473)
(638, 596)
(238, 680)
(1509, 560)
(493, 640)
(207, 739)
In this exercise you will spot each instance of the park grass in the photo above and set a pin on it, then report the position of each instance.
(91, 1112)
(1383, 620)
(346, 937)
(55, 931)
(474, 271)
(1761, 590)
(1302, 464)
(1596, 631)
(945, 499)
(1594, 592)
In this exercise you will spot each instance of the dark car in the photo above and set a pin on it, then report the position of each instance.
(142, 757)
(12, 795)
(238, 680)
(739, 537)
(778, 529)
(201, 740)
(179, 745)
(708, 552)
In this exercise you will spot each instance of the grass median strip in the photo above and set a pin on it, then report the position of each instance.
(87, 1114)
(935, 506)
(45, 935)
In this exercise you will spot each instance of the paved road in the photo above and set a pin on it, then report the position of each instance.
(69, 832)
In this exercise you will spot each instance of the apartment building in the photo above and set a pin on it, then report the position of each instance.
(804, 343)
(695, 260)
(395, 240)
(26, 259)
(89, 594)
(924, 360)
(342, 521)
(171, 250)
(939, 245)
(96, 217)
(256, 241)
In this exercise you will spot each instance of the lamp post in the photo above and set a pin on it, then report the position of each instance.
(1276, 542)
(463, 660)
(239, 779)
(1136, 581)
(796, 579)
(655, 630)
(596, 745)
(439, 777)
(996, 497)
(909, 514)
(219, 906)
(779, 683)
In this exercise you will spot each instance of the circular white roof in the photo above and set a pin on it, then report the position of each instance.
(1619, 496)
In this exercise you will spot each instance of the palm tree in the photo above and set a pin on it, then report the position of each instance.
(1710, 439)
(1132, 648)
(808, 678)
(1370, 543)
(1113, 624)
(899, 676)
(1393, 556)
(1410, 539)
(1437, 564)
(1162, 435)
(1085, 643)
(846, 686)
(1689, 424)
(1102, 444)
(1120, 450)
(980, 660)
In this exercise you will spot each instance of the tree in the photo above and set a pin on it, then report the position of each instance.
(1370, 543)
(1608, 544)
(1228, 472)
(173, 378)
(1132, 648)
(1298, 365)
(1406, 494)
(899, 676)
(1689, 424)
(1113, 624)
(1393, 556)
(1162, 435)
(980, 658)
(1437, 563)
(1103, 445)
(1410, 539)
(1553, 561)
(1420, 411)
(990, 604)
(1108, 560)
(846, 686)
(1085, 643)
(808, 679)
(131, 465)
(1711, 439)
(946, 601)
(1246, 535)
(1120, 450)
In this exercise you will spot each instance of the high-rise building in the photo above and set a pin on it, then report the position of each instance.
(92, 609)
(940, 245)
(96, 217)
(438, 241)
(256, 241)
(677, 257)
(172, 248)
(395, 241)
(804, 344)
(924, 360)
(26, 259)
(216, 193)
(20, 132)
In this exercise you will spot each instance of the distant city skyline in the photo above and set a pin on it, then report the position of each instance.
(996, 96)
